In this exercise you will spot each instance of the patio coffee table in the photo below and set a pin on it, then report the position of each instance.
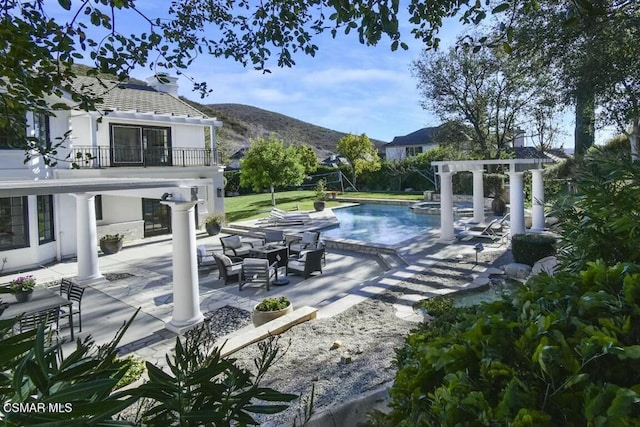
(272, 253)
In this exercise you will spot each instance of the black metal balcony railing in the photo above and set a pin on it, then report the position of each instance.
(104, 157)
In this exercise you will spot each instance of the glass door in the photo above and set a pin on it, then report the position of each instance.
(157, 218)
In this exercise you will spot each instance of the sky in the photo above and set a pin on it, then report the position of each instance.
(347, 86)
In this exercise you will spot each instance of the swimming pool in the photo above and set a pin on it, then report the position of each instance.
(381, 224)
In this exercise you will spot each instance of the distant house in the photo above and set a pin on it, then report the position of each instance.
(411, 144)
(334, 161)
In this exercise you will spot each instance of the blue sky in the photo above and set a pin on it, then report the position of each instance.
(346, 87)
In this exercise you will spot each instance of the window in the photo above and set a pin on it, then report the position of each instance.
(137, 145)
(10, 138)
(14, 230)
(413, 151)
(41, 128)
(98, 202)
(45, 219)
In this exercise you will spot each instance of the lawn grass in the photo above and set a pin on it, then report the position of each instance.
(252, 206)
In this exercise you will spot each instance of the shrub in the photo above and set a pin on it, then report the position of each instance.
(112, 237)
(273, 304)
(528, 248)
(561, 351)
(601, 220)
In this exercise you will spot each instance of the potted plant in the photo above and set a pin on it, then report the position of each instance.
(269, 309)
(320, 190)
(111, 243)
(213, 223)
(22, 287)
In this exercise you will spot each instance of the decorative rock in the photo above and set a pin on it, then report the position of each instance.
(336, 344)
(545, 265)
(345, 359)
(517, 271)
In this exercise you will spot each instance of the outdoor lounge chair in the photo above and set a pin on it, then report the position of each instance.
(308, 241)
(205, 258)
(307, 263)
(228, 268)
(257, 271)
(234, 246)
(490, 231)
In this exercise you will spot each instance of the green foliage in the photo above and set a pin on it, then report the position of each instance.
(438, 305)
(561, 351)
(113, 237)
(23, 284)
(320, 190)
(86, 379)
(600, 221)
(203, 388)
(493, 184)
(528, 248)
(361, 154)
(134, 373)
(308, 158)
(215, 219)
(268, 164)
(273, 304)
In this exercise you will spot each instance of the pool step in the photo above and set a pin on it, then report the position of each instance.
(391, 261)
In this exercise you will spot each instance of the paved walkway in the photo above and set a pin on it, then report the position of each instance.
(140, 276)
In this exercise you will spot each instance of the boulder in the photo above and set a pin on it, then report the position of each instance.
(517, 270)
(545, 265)
(336, 344)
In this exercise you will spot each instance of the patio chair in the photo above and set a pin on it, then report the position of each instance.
(49, 317)
(234, 246)
(228, 268)
(205, 258)
(490, 231)
(309, 240)
(74, 293)
(274, 237)
(257, 271)
(307, 263)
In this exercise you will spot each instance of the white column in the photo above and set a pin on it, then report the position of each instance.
(478, 196)
(446, 208)
(87, 240)
(186, 294)
(516, 196)
(537, 208)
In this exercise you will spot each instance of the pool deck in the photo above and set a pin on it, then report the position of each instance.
(140, 276)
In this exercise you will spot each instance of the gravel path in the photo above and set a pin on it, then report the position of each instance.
(369, 333)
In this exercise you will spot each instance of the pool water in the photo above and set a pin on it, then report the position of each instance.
(381, 224)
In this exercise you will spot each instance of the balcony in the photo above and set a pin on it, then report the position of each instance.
(88, 157)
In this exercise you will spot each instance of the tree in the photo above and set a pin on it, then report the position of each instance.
(268, 164)
(484, 90)
(593, 59)
(361, 154)
(308, 158)
(40, 49)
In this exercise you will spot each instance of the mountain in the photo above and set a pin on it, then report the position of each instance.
(241, 123)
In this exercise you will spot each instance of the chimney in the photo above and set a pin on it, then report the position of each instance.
(164, 83)
(518, 141)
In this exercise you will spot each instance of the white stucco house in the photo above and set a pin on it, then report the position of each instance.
(411, 144)
(143, 143)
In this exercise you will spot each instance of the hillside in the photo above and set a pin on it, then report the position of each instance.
(243, 122)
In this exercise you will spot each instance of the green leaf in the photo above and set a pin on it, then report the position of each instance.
(66, 4)
(500, 8)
